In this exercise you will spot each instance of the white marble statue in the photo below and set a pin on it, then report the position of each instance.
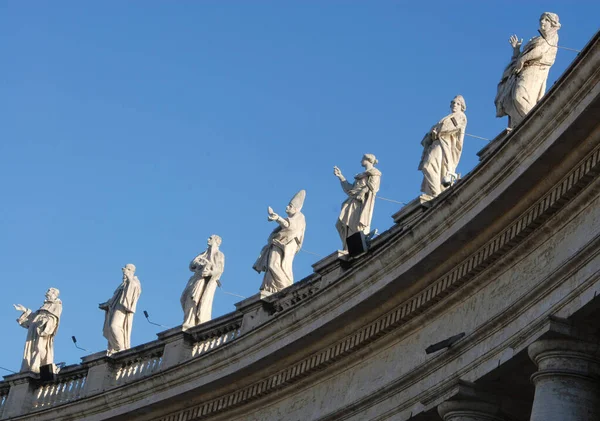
(442, 147)
(285, 241)
(357, 209)
(120, 310)
(523, 82)
(197, 297)
(41, 328)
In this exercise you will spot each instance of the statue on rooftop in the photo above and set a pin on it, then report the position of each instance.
(120, 310)
(41, 328)
(442, 147)
(523, 82)
(357, 209)
(277, 257)
(197, 297)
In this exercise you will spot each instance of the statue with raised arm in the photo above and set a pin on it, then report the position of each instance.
(523, 82)
(442, 147)
(277, 257)
(120, 310)
(41, 328)
(357, 209)
(197, 297)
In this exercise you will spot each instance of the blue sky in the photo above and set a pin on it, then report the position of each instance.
(131, 131)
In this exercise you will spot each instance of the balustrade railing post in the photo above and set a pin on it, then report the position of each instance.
(98, 375)
(20, 396)
(178, 347)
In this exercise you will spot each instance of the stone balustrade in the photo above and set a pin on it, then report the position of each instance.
(140, 364)
(25, 392)
(216, 335)
(489, 258)
(3, 398)
(67, 387)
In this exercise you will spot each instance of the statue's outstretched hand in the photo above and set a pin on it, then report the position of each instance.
(514, 42)
(20, 307)
(272, 215)
(337, 172)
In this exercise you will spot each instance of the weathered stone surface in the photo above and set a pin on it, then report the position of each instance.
(523, 82)
(515, 242)
(41, 326)
(566, 383)
(120, 309)
(277, 257)
(442, 148)
(357, 209)
(197, 297)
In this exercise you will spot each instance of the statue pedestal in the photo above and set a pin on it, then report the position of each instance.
(20, 396)
(331, 267)
(99, 372)
(494, 144)
(178, 346)
(255, 309)
(413, 210)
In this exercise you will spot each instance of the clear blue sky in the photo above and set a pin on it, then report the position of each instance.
(131, 131)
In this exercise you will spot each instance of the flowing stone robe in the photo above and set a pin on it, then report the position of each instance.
(441, 151)
(197, 297)
(41, 328)
(518, 93)
(356, 215)
(277, 257)
(119, 314)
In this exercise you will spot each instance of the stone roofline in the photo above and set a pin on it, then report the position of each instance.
(347, 303)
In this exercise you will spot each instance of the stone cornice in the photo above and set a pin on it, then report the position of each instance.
(404, 275)
(500, 245)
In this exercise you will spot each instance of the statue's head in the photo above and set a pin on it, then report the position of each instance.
(458, 104)
(129, 269)
(296, 203)
(549, 23)
(214, 241)
(52, 294)
(368, 158)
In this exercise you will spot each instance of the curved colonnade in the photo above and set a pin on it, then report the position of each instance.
(509, 257)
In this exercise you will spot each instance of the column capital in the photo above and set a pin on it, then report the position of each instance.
(566, 383)
(565, 357)
(471, 403)
(460, 410)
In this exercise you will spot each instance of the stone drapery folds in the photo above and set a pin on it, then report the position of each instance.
(523, 82)
(442, 148)
(357, 209)
(120, 310)
(277, 257)
(197, 297)
(41, 326)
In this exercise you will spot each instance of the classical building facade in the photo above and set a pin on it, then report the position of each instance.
(500, 273)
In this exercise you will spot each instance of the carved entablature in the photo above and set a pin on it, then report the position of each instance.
(487, 262)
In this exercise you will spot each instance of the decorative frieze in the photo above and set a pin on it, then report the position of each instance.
(498, 246)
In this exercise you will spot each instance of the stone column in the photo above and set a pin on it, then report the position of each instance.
(566, 383)
(470, 410)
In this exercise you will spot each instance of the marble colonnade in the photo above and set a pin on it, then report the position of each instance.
(567, 386)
